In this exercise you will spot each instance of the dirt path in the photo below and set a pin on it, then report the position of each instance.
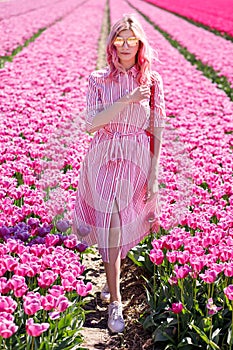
(134, 302)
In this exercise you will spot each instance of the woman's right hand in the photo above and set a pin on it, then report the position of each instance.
(140, 93)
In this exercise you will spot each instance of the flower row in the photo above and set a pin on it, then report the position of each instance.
(16, 29)
(214, 14)
(14, 8)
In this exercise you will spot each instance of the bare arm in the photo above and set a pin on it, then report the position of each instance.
(104, 117)
(98, 117)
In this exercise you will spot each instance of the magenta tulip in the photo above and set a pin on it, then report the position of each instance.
(35, 329)
(177, 308)
(228, 291)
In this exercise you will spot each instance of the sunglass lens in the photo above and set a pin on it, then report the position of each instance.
(132, 41)
(119, 42)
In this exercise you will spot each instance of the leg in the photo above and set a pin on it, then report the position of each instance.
(112, 268)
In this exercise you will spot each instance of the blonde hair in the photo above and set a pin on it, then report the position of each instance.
(144, 55)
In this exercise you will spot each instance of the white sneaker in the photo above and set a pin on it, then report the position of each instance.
(105, 294)
(116, 322)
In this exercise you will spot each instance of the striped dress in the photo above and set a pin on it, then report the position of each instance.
(117, 165)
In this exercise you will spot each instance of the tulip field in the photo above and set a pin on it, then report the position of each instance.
(47, 51)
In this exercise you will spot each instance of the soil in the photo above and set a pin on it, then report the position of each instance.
(95, 331)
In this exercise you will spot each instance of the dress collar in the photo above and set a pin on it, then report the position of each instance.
(132, 71)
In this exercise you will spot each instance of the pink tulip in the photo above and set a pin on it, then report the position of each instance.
(51, 240)
(62, 303)
(56, 291)
(171, 257)
(19, 286)
(15, 246)
(228, 291)
(196, 263)
(228, 269)
(83, 289)
(46, 278)
(32, 303)
(209, 276)
(7, 304)
(225, 254)
(48, 302)
(173, 280)
(11, 263)
(181, 271)
(38, 249)
(4, 285)
(183, 257)
(71, 242)
(177, 308)
(156, 256)
(22, 270)
(16, 282)
(7, 328)
(21, 291)
(54, 315)
(35, 329)
(68, 281)
(6, 316)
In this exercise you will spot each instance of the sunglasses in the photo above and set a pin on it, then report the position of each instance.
(131, 41)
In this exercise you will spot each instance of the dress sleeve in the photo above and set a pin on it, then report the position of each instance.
(159, 103)
(94, 102)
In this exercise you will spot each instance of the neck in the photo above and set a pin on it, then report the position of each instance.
(128, 65)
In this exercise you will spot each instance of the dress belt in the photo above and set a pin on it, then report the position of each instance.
(119, 134)
(117, 146)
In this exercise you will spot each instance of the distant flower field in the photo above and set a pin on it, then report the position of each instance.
(215, 14)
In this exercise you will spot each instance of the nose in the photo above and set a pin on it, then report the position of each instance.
(125, 43)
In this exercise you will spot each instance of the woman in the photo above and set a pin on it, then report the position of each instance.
(118, 184)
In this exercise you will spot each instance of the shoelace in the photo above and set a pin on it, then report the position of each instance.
(116, 312)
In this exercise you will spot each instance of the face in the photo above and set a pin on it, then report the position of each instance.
(127, 52)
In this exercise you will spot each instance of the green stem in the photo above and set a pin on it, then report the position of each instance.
(32, 348)
(181, 290)
(55, 334)
(211, 328)
(208, 291)
(178, 320)
(28, 341)
(212, 290)
(194, 289)
(154, 286)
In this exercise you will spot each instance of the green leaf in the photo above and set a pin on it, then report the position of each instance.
(161, 336)
(229, 336)
(205, 338)
(135, 258)
(149, 322)
(65, 322)
(215, 335)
